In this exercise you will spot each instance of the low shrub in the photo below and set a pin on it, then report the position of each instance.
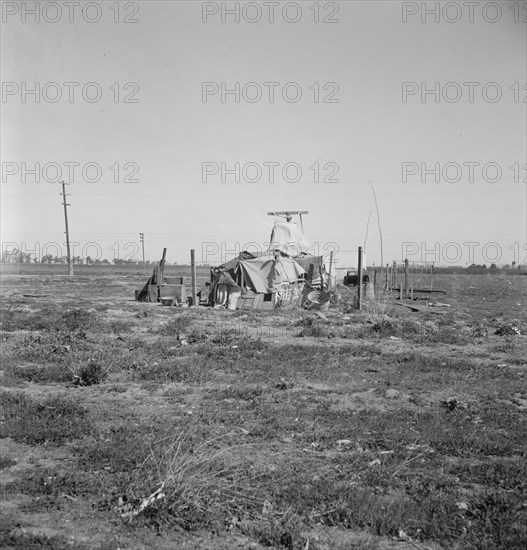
(89, 373)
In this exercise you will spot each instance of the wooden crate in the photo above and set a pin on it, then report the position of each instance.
(246, 301)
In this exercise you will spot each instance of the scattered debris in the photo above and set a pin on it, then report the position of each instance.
(266, 508)
(127, 510)
(284, 384)
(431, 326)
(508, 330)
(343, 444)
(427, 309)
(451, 404)
(321, 315)
(392, 394)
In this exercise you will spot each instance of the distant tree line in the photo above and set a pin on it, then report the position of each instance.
(17, 257)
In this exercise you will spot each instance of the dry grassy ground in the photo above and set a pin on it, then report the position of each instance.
(128, 425)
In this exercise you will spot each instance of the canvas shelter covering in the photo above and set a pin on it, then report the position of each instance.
(266, 275)
(276, 277)
(288, 239)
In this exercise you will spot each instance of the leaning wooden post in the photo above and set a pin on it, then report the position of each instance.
(359, 279)
(406, 277)
(330, 269)
(193, 275)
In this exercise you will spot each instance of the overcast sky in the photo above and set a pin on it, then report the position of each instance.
(349, 105)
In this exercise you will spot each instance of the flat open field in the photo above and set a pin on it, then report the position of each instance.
(127, 425)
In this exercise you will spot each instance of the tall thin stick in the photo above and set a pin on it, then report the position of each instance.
(378, 220)
(367, 231)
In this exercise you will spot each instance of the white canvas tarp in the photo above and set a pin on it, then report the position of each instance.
(264, 275)
(287, 237)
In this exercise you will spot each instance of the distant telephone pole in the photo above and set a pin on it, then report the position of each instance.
(142, 239)
(65, 204)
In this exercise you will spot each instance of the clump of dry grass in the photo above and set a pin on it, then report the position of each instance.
(195, 484)
(90, 372)
(378, 307)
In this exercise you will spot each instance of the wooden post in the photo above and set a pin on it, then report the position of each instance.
(359, 278)
(330, 268)
(406, 278)
(386, 283)
(162, 267)
(142, 240)
(193, 275)
(159, 273)
(394, 274)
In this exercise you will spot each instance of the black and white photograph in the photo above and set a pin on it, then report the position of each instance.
(263, 275)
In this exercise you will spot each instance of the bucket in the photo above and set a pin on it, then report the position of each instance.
(318, 299)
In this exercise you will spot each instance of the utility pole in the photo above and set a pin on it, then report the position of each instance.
(142, 239)
(65, 204)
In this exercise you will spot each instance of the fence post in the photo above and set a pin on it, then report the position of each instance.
(193, 275)
(406, 278)
(359, 278)
(330, 269)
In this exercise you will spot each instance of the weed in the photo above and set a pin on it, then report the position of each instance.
(31, 372)
(378, 306)
(284, 531)
(507, 329)
(192, 484)
(76, 320)
(175, 326)
(123, 448)
(509, 346)
(6, 462)
(18, 538)
(54, 420)
(497, 520)
(313, 327)
(89, 373)
(119, 326)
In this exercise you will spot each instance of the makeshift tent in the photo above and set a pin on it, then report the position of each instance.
(276, 277)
